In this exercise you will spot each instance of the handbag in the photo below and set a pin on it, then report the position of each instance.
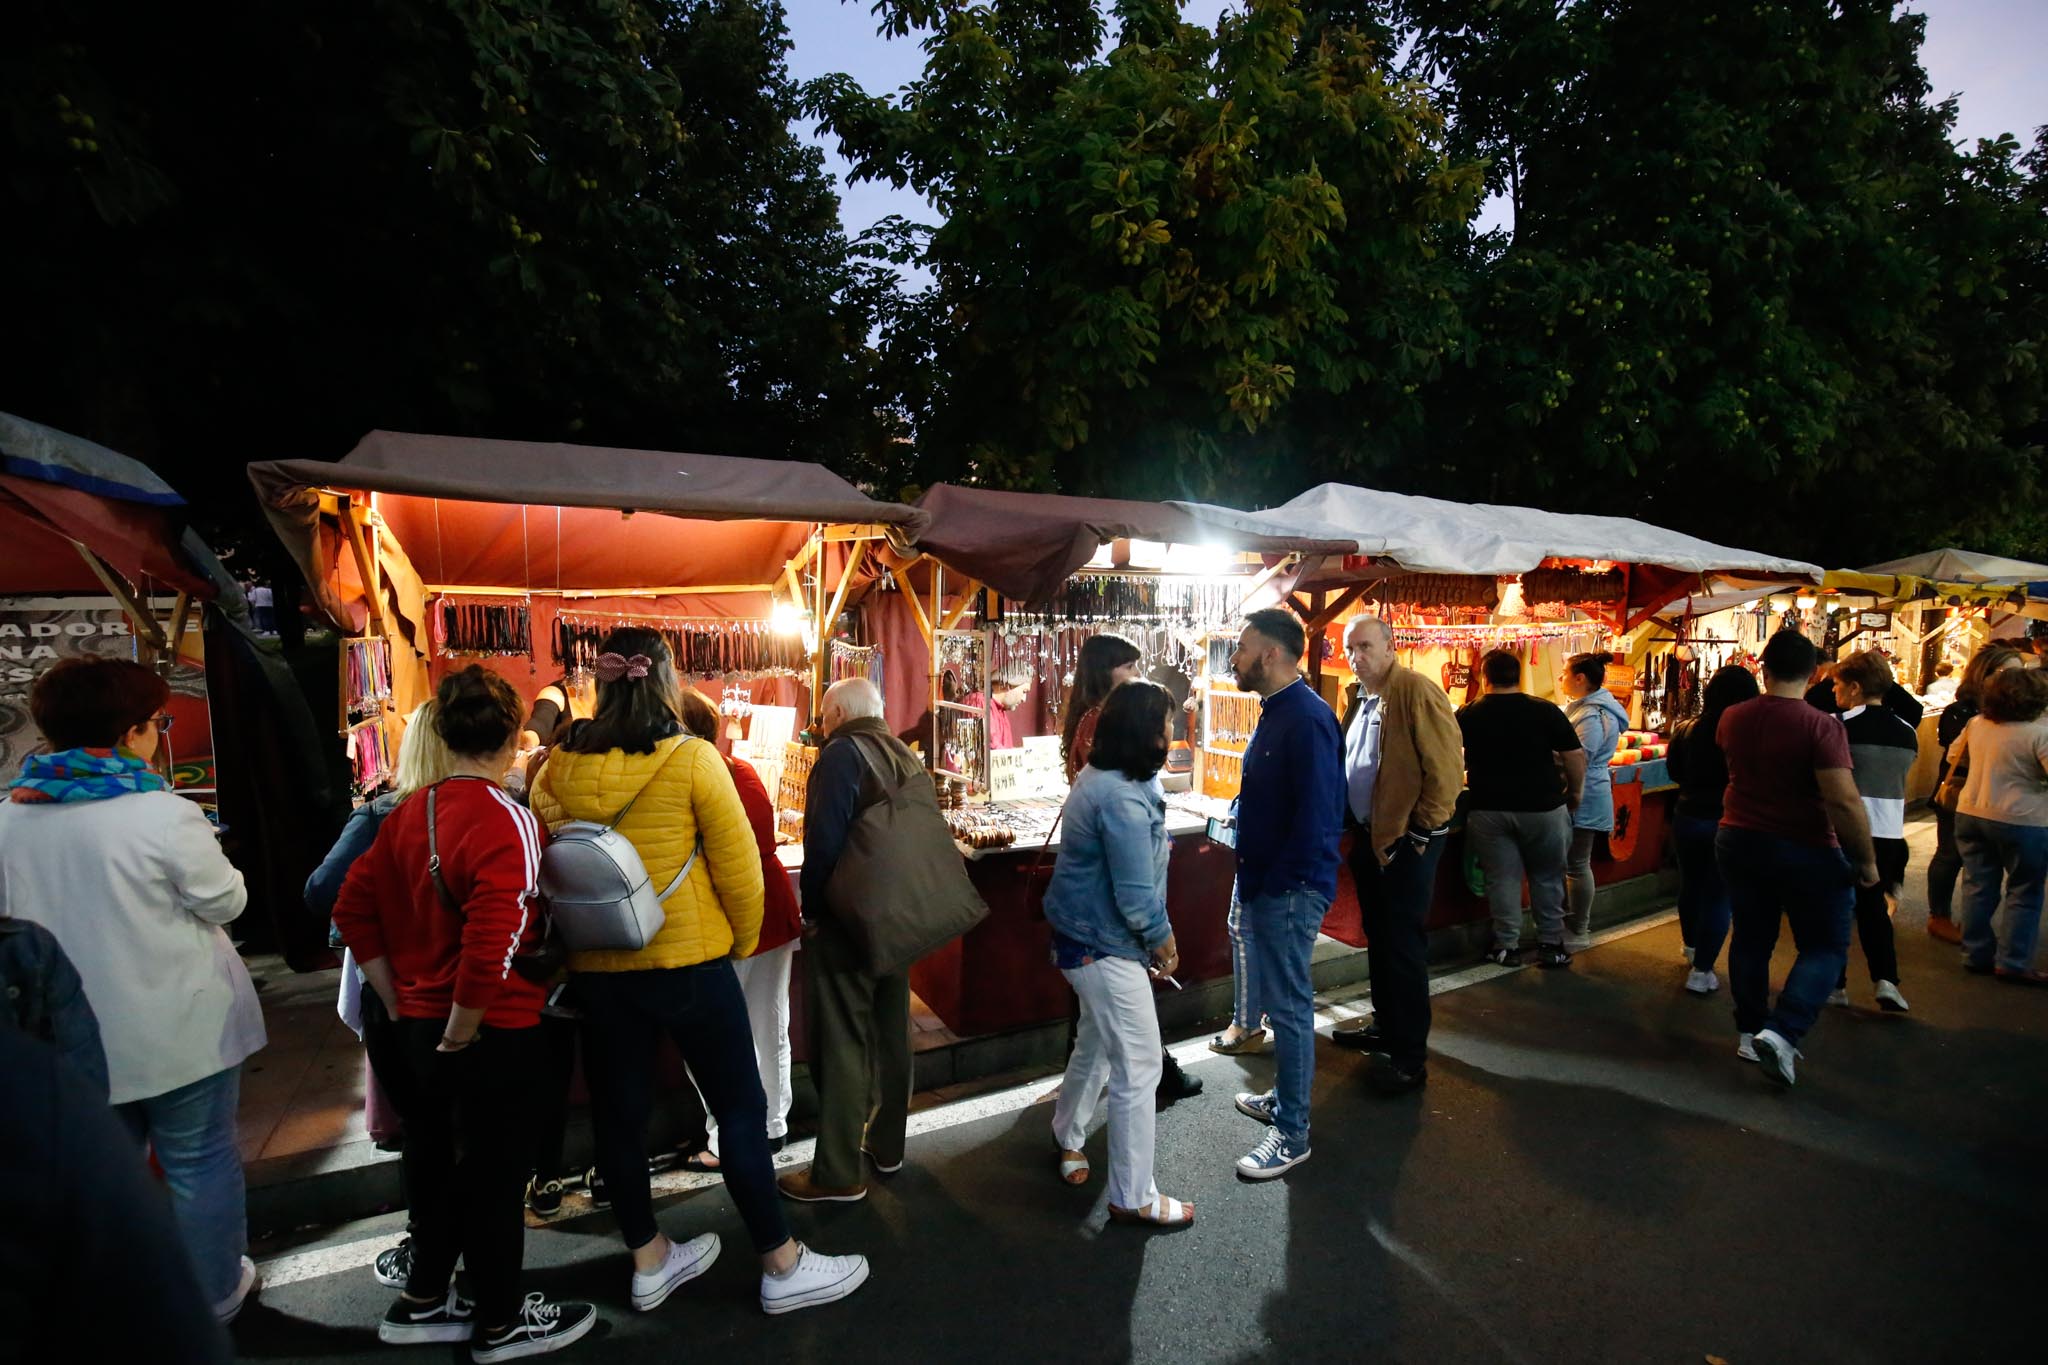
(900, 888)
(546, 959)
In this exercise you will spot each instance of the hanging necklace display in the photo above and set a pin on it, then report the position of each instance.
(705, 646)
(484, 628)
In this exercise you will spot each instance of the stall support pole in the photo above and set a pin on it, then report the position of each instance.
(966, 604)
(938, 590)
(819, 627)
(823, 663)
(148, 632)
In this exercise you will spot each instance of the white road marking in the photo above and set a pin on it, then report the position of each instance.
(333, 1260)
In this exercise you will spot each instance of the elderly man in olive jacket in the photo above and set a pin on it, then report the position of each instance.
(1403, 768)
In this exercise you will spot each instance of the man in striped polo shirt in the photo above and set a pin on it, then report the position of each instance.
(1883, 748)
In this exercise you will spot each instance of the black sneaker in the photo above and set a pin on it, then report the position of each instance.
(1388, 1078)
(393, 1266)
(541, 1327)
(544, 1197)
(1552, 955)
(1363, 1036)
(594, 1184)
(1504, 957)
(419, 1324)
(1175, 1085)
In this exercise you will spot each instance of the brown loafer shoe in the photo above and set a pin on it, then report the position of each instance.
(799, 1186)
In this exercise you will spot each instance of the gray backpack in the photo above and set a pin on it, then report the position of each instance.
(597, 887)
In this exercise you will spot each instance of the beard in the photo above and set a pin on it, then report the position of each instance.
(1252, 675)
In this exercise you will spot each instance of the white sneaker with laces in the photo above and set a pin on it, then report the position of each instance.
(1778, 1057)
(1888, 998)
(684, 1263)
(1745, 1047)
(1702, 983)
(815, 1279)
(1839, 996)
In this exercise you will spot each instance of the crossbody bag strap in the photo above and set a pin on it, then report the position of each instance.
(660, 768)
(889, 788)
(448, 900)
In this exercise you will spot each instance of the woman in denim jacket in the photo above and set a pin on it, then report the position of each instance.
(1107, 907)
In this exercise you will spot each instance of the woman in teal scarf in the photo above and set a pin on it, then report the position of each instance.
(128, 878)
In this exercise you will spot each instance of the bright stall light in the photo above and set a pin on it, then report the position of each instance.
(1806, 603)
(1209, 561)
(788, 619)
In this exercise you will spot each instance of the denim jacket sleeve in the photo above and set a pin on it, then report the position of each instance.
(1133, 827)
(323, 887)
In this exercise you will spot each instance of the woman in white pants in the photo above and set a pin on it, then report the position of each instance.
(1107, 907)
(764, 977)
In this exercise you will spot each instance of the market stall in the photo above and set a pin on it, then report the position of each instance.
(430, 553)
(1927, 613)
(97, 558)
(1005, 586)
(1455, 580)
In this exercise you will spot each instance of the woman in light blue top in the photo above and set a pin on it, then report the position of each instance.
(1600, 721)
(1107, 907)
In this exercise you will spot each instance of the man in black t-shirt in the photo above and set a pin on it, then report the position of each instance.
(1525, 768)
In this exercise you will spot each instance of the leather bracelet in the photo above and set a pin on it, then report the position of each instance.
(455, 1044)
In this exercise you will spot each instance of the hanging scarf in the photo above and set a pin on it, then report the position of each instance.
(82, 775)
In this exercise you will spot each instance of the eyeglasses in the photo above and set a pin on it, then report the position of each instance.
(164, 723)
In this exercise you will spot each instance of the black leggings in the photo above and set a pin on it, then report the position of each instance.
(701, 1008)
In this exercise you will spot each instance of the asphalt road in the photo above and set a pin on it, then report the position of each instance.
(1591, 1175)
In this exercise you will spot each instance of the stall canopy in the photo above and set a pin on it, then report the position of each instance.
(1025, 545)
(1963, 566)
(59, 492)
(477, 514)
(1430, 535)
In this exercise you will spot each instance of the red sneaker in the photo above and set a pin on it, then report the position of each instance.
(1947, 930)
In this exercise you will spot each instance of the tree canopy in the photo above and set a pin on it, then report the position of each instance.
(1747, 286)
(247, 230)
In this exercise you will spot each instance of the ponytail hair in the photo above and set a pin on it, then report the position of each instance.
(1591, 667)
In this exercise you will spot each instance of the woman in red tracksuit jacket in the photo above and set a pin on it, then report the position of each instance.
(764, 976)
(444, 961)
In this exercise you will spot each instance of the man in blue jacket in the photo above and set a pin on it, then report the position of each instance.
(1290, 817)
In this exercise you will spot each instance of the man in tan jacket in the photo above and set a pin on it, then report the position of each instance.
(1403, 767)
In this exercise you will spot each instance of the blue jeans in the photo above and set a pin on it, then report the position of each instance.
(1703, 911)
(1245, 1011)
(2018, 854)
(1770, 880)
(1279, 934)
(192, 1131)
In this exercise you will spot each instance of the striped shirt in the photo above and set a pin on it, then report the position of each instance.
(1883, 748)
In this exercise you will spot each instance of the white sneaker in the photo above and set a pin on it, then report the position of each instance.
(1578, 943)
(1688, 954)
(245, 1289)
(685, 1262)
(1702, 983)
(1777, 1057)
(1888, 998)
(1839, 997)
(815, 1279)
(1745, 1047)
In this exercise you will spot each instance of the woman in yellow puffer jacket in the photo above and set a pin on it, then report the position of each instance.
(636, 749)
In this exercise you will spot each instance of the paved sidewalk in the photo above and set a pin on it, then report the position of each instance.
(1590, 1176)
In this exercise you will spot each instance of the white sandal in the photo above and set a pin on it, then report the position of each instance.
(1073, 1167)
(1165, 1212)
